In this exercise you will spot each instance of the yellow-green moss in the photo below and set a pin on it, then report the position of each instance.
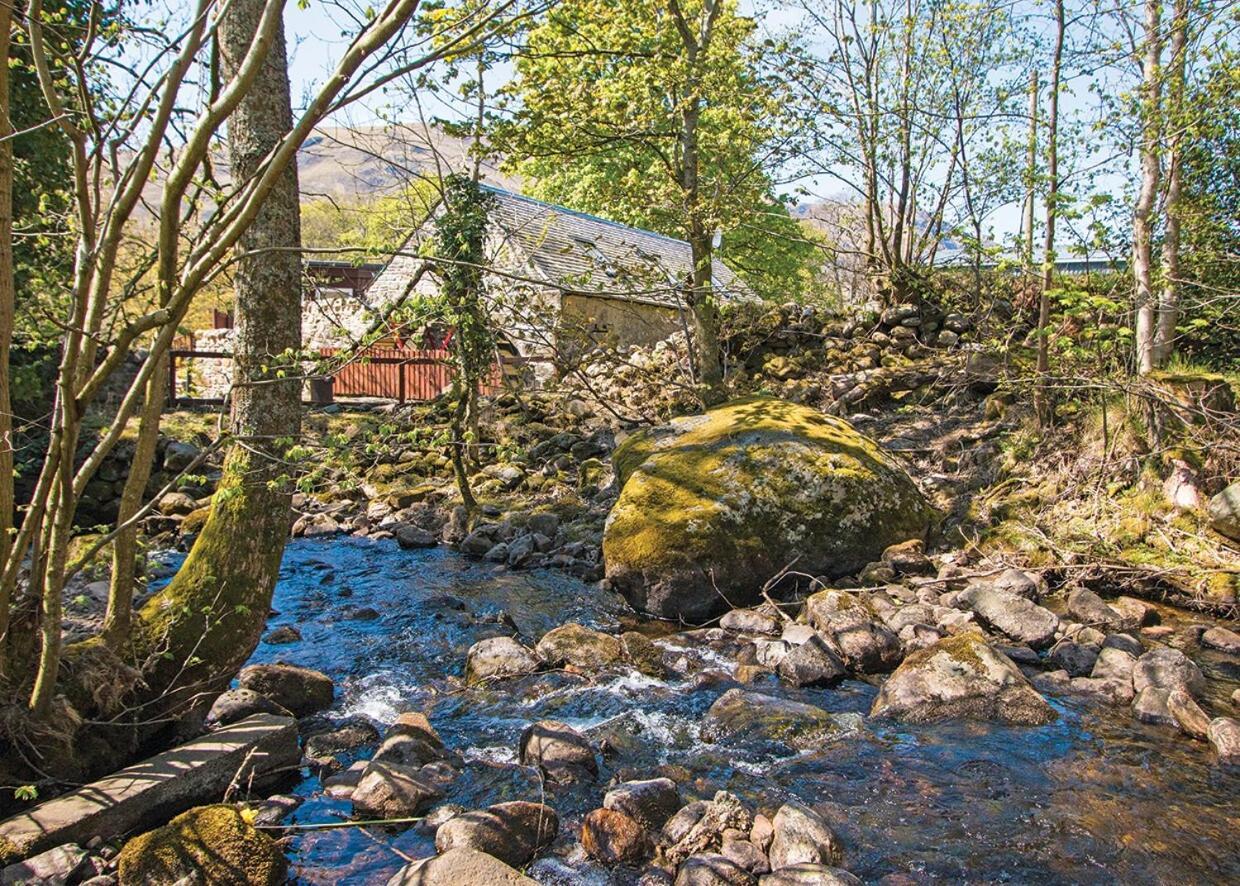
(212, 843)
(733, 496)
(1222, 587)
(9, 852)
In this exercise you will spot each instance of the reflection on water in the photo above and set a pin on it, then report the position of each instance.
(1094, 797)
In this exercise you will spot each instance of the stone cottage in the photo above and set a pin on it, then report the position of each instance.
(556, 278)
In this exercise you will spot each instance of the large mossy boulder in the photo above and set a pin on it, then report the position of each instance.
(714, 505)
(208, 844)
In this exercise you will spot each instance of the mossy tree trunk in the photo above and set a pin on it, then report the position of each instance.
(196, 633)
(461, 229)
(7, 305)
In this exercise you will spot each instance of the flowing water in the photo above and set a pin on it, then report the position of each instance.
(1096, 797)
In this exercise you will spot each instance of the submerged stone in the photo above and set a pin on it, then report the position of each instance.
(714, 505)
(576, 645)
(740, 715)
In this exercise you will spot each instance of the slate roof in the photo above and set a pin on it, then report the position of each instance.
(578, 252)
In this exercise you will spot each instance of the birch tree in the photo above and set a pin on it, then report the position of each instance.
(1149, 114)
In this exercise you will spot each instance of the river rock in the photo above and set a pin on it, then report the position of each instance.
(237, 704)
(1224, 734)
(1150, 706)
(714, 505)
(613, 838)
(960, 677)
(908, 557)
(1188, 715)
(390, 790)
(1224, 510)
(712, 869)
(762, 832)
(341, 785)
(460, 867)
(302, 690)
(1221, 639)
(750, 621)
(1015, 616)
(907, 616)
(1167, 669)
(650, 802)
(207, 844)
(1020, 583)
(743, 716)
(57, 866)
(681, 822)
(813, 663)
(801, 836)
(578, 646)
(1115, 664)
(642, 654)
(343, 738)
(284, 634)
(744, 854)
(809, 875)
(409, 750)
(513, 832)
(1126, 642)
(1078, 659)
(724, 812)
(561, 752)
(855, 630)
(1090, 609)
(409, 536)
(1136, 612)
(497, 658)
(176, 504)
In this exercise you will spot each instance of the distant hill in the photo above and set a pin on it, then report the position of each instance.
(354, 164)
(357, 163)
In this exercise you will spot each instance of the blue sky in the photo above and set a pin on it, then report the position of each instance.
(318, 34)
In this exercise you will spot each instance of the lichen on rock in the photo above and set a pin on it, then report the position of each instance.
(209, 844)
(714, 505)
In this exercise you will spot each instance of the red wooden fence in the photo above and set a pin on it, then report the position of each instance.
(384, 373)
(393, 374)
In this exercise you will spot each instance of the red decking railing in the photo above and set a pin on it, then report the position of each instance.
(382, 373)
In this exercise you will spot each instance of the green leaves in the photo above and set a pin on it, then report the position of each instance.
(601, 111)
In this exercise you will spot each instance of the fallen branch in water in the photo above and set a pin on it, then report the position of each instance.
(333, 825)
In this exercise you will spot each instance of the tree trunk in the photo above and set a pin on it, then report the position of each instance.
(1169, 298)
(704, 310)
(119, 616)
(1041, 395)
(1142, 227)
(210, 617)
(1031, 175)
(7, 301)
